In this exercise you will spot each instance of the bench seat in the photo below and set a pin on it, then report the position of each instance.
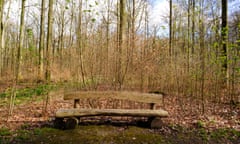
(75, 112)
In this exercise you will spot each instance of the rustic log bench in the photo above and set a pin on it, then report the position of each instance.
(97, 103)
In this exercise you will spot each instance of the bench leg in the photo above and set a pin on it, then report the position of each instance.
(155, 122)
(59, 123)
(71, 123)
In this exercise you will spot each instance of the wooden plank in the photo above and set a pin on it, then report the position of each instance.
(123, 95)
(62, 113)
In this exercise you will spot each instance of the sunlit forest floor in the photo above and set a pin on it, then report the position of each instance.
(32, 122)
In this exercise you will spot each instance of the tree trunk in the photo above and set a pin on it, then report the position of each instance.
(1, 35)
(188, 36)
(193, 25)
(49, 41)
(202, 56)
(1, 32)
(170, 28)
(224, 34)
(121, 42)
(80, 45)
(21, 42)
(41, 42)
(18, 59)
(133, 32)
(108, 39)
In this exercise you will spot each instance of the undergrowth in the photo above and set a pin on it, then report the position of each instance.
(26, 94)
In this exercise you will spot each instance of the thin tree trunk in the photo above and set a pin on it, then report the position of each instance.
(4, 24)
(21, 42)
(1, 35)
(41, 41)
(108, 38)
(61, 39)
(202, 57)
(188, 36)
(193, 25)
(224, 34)
(49, 41)
(170, 28)
(133, 31)
(80, 45)
(19, 58)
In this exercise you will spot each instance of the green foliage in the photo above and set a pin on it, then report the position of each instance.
(86, 10)
(93, 19)
(200, 124)
(29, 32)
(5, 132)
(163, 27)
(37, 131)
(40, 131)
(23, 135)
(203, 134)
(220, 134)
(3, 95)
(28, 93)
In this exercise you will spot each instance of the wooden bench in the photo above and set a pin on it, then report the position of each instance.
(110, 103)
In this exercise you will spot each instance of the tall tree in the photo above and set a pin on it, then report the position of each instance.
(224, 33)
(121, 42)
(188, 33)
(21, 42)
(1, 35)
(193, 25)
(170, 27)
(108, 35)
(41, 41)
(19, 57)
(202, 54)
(80, 44)
(133, 29)
(49, 41)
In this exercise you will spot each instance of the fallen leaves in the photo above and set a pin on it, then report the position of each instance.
(215, 116)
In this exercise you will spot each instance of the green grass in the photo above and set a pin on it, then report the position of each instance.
(5, 135)
(27, 94)
(5, 132)
(221, 134)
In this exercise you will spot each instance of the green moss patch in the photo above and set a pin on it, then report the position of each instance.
(98, 134)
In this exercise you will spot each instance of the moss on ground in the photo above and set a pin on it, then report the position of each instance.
(94, 135)
(99, 134)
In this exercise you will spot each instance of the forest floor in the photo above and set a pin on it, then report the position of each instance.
(31, 122)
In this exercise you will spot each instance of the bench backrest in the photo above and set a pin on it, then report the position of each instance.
(120, 95)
